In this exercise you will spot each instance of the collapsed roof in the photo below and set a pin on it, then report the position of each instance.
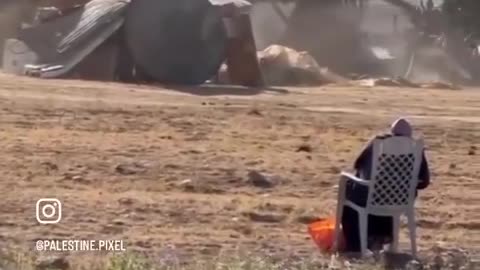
(176, 41)
(62, 43)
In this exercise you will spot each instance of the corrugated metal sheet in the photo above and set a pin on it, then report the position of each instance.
(96, 14)
(62, 43)
(236, 3)
(57, 39)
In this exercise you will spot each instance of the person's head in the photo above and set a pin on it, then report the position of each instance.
(401, 127)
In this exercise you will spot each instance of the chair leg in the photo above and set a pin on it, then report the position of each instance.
(363, 229)
(395, 233)
(338, 218)
(412, 227)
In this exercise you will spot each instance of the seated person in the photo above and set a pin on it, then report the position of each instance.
(379, 228)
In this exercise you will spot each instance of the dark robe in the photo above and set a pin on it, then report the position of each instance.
(379, 228)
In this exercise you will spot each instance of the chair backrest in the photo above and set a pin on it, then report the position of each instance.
(394, 175)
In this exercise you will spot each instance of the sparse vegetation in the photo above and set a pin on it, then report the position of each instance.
(437, 259)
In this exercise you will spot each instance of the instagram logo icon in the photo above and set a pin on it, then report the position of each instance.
(48, 211)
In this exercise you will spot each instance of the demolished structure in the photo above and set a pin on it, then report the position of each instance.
(170, 41)
(192, 41)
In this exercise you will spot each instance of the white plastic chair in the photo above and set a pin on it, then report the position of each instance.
(392, 187)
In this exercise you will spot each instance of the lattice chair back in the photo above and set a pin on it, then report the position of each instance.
(395, 167)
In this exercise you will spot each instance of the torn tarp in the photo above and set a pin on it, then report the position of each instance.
(60, 44)
(176, 41)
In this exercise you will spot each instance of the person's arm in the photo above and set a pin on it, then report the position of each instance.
(424, 174)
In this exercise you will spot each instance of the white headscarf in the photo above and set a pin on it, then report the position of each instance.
(401, 127)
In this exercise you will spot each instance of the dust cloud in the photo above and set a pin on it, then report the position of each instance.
(375, 41)
(10, 13)
(335, 35)
(268, 25)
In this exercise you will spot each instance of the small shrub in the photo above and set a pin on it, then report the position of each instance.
(128, 261)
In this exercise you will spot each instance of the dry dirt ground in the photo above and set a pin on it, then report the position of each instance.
(156, 167)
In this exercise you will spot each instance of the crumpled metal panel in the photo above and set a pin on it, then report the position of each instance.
(96, 14)
(74, 57)
(58, 39)
(241, 4)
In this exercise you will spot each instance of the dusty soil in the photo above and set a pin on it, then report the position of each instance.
(155, 166)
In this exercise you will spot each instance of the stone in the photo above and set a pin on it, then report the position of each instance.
(130, 168)
(255, 112)
(126, 201)
(263, 180)
(187, 185)
(305, 148)
(472, 151)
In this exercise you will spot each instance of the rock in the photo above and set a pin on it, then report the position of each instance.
(126, 201)
(472, 151)
(118, 222)
(255, 112)
(52, 262)
(130, 168)
(244, 229)
(263, 180)
(304, 148)
(265, 217)
(187, 185)
(193, 186)
(77, 178)
(50, 166)
(80, 179)
(185, 182)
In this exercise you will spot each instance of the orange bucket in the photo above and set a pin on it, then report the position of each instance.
(323, 233)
